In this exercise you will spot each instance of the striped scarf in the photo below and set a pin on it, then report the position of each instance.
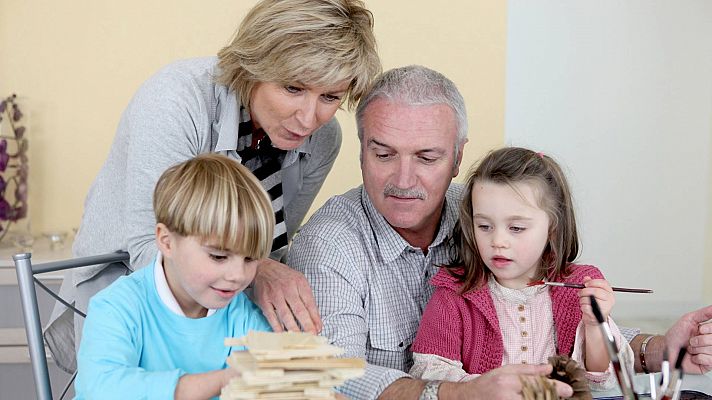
(265, 161)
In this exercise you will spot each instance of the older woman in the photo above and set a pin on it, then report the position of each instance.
(267, 100)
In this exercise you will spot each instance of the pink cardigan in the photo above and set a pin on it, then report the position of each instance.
(465, 327)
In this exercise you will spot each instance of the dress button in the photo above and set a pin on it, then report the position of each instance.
(524, 334)
(522, 319)
(524, 348)
(521, 307)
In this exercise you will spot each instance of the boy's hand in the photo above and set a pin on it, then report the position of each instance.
(601, 290)
(228, 374)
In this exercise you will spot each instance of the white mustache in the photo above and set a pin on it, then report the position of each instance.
(391, 190)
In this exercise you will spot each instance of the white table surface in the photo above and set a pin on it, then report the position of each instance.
(699, 383)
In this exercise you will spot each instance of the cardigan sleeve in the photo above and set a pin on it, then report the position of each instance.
(166, 122)
(441, 330)
(605, 380)
(163, 115)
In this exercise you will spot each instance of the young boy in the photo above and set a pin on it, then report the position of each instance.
(158, 333)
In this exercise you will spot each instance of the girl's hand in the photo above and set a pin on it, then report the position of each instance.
(601, 290)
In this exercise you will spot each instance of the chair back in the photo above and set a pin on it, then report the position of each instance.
(33, 329)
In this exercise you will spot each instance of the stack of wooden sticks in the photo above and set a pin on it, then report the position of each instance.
(289, 366)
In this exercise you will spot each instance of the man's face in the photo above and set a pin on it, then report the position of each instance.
(408, 161)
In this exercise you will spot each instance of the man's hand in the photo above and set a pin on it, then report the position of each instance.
(283, 294)
(502, 383)
(687, 331)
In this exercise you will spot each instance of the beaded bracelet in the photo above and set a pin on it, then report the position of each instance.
(643, 346)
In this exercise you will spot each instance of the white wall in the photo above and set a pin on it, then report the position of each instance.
(620, 92)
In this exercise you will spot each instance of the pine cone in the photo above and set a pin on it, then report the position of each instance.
(568, 371)
(565, 370)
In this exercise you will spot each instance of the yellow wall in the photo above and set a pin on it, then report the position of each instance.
(79, 62)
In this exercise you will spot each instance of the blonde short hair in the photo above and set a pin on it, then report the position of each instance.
(307, 42)
(215, 198)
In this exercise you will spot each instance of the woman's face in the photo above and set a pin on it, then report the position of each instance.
(289, 114)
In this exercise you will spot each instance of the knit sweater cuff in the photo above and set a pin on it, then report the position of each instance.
(605, 380)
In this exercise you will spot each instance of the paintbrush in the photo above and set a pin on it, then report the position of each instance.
(580, 286)
(675, 391)
(623, 375)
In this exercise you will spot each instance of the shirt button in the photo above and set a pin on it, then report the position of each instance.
(522, 319)
(521, 307)
(524, 334)
(400, 344)
(427, 274)
(524, 348)
(524, 361)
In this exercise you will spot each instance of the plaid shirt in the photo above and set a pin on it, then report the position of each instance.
(370, 284)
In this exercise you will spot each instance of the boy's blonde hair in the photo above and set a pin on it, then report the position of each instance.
(302, 42)
(218, 200)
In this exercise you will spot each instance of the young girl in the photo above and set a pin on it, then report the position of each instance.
(158, 333)
(517, 226)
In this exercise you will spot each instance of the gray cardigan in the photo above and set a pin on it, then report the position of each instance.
(177, 114)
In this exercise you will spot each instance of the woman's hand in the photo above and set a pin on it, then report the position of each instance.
(284, 294)
(601, 290)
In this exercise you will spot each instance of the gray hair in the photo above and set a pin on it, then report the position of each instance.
(416, 85)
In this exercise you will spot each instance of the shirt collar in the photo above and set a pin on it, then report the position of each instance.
(518, 296)
(230, 115)
(390, 244)
(164, 291)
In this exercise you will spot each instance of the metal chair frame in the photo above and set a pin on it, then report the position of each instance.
(33, 329)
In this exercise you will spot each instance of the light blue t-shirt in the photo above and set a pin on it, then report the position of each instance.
(134, 347)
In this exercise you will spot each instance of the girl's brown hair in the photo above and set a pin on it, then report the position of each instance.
(509, 166)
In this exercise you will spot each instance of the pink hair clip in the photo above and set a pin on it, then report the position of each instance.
(541, 155)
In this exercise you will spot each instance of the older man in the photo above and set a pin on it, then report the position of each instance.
(369, 253)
